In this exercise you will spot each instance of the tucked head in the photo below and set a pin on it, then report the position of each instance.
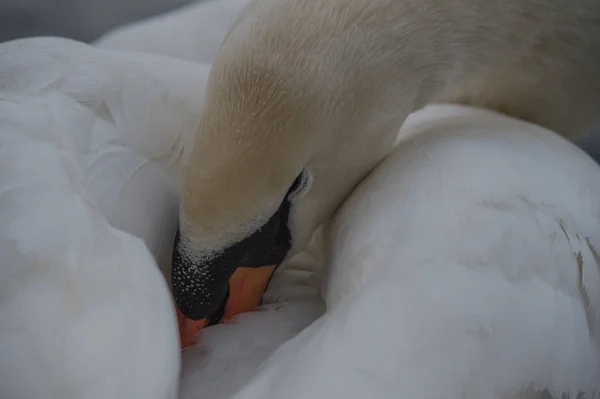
(249, 170)
(278, 148)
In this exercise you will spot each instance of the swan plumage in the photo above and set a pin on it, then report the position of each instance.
(80, 160)
(463, 266)
(80, 152)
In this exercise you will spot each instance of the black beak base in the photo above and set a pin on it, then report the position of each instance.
(201, 288)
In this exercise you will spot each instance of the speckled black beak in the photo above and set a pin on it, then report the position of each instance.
(201, 289)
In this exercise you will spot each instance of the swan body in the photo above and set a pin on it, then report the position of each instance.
(464, 266)
(91, 145)
(466, 308)
(71, 283)
(139, 118)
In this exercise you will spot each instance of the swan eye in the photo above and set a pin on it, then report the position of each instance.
(299, 185)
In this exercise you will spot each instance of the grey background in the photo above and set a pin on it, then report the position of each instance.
(77, 19)
(86, 20)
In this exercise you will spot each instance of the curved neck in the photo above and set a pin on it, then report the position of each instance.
(399, 55)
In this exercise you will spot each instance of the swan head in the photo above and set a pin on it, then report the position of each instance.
(280, 144)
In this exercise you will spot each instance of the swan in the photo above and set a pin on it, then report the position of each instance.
(463, 266)
(102, 109)
(391, 245)
(306, 97)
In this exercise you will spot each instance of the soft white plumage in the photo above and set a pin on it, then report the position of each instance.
(140, 107)
(464, 266)
(85, 311)
(94, 141)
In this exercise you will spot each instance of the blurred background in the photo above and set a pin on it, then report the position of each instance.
(86, 20)
(83, 20)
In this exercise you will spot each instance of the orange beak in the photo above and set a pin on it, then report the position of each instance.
(246, 288)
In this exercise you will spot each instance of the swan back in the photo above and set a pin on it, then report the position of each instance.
(92, 144)
(464, 266)
(85, 310)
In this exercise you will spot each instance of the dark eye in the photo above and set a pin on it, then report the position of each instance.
(298, 185)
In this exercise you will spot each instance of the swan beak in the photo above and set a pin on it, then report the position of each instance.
(209, 291)
(246, 288)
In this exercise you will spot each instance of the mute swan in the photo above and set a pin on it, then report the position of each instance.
(306, 96)
(463, 266)
(67, 84)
